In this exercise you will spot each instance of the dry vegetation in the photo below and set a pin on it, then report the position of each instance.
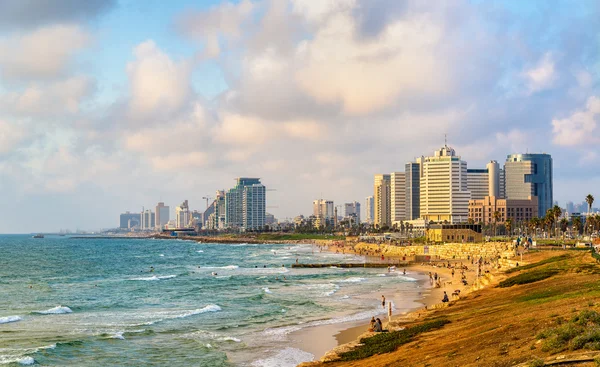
(547, 307)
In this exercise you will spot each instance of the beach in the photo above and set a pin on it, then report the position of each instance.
(323, 339)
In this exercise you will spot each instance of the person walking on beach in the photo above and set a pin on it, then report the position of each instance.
(383, 301)
(430, 278)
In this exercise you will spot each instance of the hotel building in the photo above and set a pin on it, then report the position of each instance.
(519, 210)
(398, 196)
(382, 200)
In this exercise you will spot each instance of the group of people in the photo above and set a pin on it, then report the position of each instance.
(376, 325)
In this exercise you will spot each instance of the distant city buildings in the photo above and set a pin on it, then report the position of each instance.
(162, 215)
(147, 220)
(324, 209)
(352, 211)
(397, 197)
(444, 193)
(413, 190)
(369, 209)
(129, 220)
(530, 175)
(182, 215)
(245, 205)
(382, 198)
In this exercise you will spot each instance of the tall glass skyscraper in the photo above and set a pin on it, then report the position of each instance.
(530, 175)
(413, 190)
(245, 204)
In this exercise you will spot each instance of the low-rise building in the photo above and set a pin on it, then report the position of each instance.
(458, 233)
(519, 210)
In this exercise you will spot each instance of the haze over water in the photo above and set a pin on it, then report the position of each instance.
(95, 301)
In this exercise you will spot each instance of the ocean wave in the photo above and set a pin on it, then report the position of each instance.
(200, 251)
(7, 319)
(289, 357)
(208, 308)
(352, 280)
(267, 290)
(284, 330)
(228, 267)
(55, 311)
(408, 279)
(169, 315)
(118, 335)
(154, 277)
(230, 339)
(161, 255)
(381, 275)
(23, 361)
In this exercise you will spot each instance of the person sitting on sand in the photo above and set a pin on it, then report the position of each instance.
(378, 326)
(372, 324)
(445, 299)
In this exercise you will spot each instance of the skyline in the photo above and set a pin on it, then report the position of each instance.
(128, 104)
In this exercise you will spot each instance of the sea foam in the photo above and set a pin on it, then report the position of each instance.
(352, 280)
(56, 311)
(154, 277)
(289, 357)
(7, 319)
(267, 290)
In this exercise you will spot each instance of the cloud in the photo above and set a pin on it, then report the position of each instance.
(53, 99)
(11, 135)
(581, 127)
(542, 76)
(158, 85)
(218, 24)
(45, 53)
(21, 14)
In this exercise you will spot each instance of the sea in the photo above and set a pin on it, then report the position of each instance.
(148, 302)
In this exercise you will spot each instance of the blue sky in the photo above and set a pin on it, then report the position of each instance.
(108, 106)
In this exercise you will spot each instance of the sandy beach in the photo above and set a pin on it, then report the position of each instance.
(320, 340)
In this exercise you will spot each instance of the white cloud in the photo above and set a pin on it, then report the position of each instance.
(366, 75)
(159, 86)
(11, 135)
(44, 100)
(43, 53)
(180, 161)
(582, 127)
(216, 25)
(542, 76)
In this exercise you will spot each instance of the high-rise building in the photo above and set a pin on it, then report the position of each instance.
(162, 215)
(478, 183)
(570, 207)
(245, 205)
(147, 220)
(369, 209)
(444, 192)
(352, 210)
(398, 196)
(493, 169)
(182, 215)
(382, 199)
(413, 189)
(324, 209)
(530, 175)
(129, 220)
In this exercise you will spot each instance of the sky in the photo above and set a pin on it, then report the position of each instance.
(109, 106)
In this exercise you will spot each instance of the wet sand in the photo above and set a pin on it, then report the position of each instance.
(321, 339)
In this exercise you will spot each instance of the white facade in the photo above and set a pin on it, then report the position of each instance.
(398, 196)
(182, 215)
(382, 199)
(369, 209)
(147, 220)
(323, 209)
(444, 192)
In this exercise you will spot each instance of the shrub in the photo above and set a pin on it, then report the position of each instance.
(529, 277)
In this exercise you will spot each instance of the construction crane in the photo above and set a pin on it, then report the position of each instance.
(207, 198)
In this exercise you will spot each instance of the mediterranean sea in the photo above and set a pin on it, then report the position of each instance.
(131, 302)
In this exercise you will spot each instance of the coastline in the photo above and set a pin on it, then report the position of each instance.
(326, 341)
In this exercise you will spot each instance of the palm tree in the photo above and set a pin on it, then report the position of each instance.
(589, 200)
(557, 212)
(564, 224)
(508, 225)
(577, 224)
(497, 217)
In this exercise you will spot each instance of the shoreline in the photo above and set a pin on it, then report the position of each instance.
(326, 341)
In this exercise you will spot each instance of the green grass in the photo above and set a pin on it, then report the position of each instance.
(539, 263)
(389, 342)
(581, 332)
(297, 236)
(528, 277)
